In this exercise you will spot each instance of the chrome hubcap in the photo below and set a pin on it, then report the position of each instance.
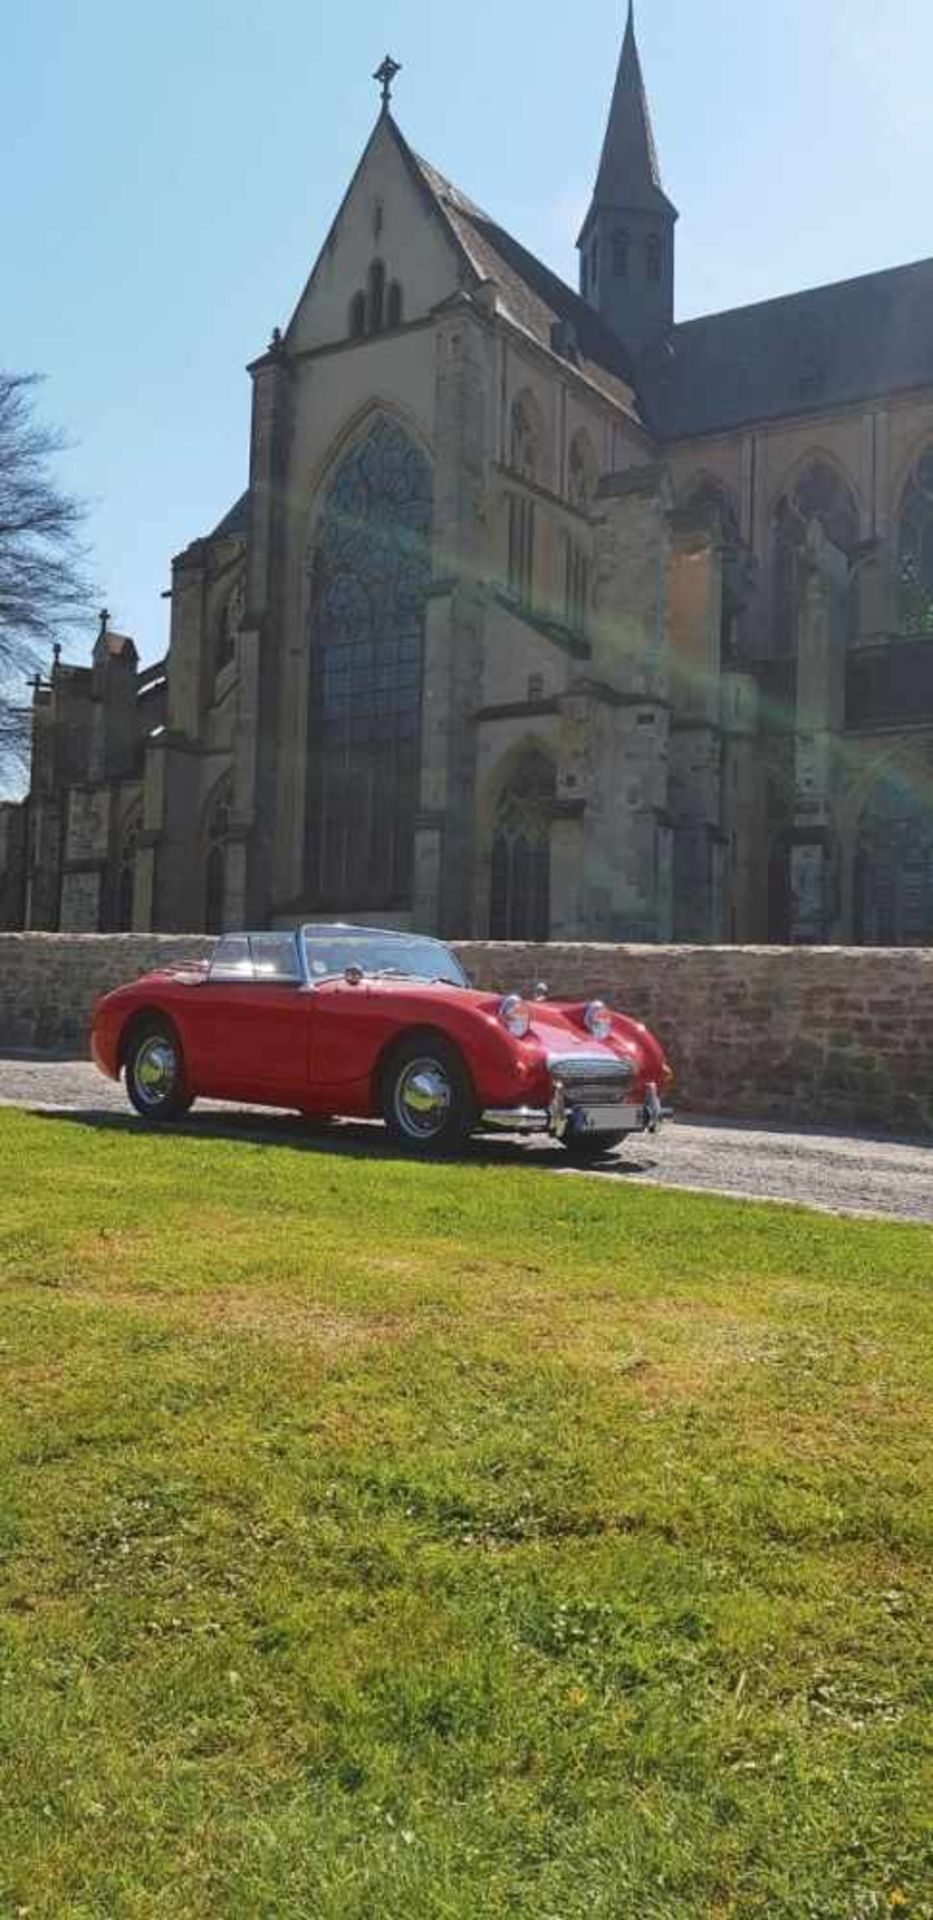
(422, 1099)
(155, 1070)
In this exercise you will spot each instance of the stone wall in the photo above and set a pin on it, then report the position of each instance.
(825, 1035)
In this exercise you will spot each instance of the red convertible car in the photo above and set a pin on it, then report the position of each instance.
(357, 1022)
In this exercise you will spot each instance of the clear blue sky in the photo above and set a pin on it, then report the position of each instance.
(170, 171)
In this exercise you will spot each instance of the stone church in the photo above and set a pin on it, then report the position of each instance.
(541, 615)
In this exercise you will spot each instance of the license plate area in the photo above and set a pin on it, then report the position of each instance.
(617, 1119)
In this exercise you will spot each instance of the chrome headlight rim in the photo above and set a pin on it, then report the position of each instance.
(514, 1016)
(597, 1019)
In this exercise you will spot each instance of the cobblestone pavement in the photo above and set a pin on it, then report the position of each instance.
(813, 1168)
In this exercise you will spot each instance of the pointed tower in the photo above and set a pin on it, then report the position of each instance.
(627, 242)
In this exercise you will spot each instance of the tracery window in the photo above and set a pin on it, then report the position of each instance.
(820, 494)
(370, 574)
(520, 880)
(654, 256)
(521, 853)
(216, 832)
(894, 866)
(915, 552)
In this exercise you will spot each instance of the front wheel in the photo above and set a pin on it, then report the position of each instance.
(155, 1073)
(587, 1147)
(427, 1100)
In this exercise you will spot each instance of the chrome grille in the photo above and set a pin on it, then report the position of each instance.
(592, 1083)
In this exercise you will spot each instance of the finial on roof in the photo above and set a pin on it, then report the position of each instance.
(104, 621)
(56, 654)
(385, 76)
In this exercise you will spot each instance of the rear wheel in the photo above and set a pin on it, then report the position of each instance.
(427, 1100)
(155, 1072)
(587, 1147)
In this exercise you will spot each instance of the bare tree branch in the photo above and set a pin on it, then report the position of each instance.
(44, 591)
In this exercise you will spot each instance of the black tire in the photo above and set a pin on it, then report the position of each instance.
(155, 1072)
(427, 1098)
(587, 1147)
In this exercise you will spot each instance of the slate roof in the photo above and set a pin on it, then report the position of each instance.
(528, 292)
(629, 174)
(855, 340)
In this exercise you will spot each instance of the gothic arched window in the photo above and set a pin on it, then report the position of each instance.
(894, 866)
(358, 316)
(654, 257)
(377, 293)
(394, 305)
(370, 574)
(217, 828)
(820, 493)
(620, 253)
(520, 877)
(915, 552)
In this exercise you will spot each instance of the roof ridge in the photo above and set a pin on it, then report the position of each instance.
(802, 293)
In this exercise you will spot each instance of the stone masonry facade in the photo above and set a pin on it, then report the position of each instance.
(808, 1036)
(542, 616)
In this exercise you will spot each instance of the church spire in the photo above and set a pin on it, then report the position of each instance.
(627, 242)
(629, 164)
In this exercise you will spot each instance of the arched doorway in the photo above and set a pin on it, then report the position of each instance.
(520, 876)
(894, 866)
(370, 575)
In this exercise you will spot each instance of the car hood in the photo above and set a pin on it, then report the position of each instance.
(556, 1025)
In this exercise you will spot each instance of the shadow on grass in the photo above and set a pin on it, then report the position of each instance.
(352, 1139)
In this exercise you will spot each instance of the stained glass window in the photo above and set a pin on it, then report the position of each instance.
(894, 867)
(370, 575)
(520, 879)
(915, 552)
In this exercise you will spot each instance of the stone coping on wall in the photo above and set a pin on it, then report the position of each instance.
(825, 1035)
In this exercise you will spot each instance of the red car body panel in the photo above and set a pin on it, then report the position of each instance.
(319, 1047)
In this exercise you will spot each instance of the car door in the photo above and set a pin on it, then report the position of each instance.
(254, 1022)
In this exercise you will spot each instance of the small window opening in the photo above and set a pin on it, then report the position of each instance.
(377, 291)
(358, 316)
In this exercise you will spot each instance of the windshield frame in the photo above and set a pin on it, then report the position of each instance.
(361, 937)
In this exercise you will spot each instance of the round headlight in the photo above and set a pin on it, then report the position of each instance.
(515, 1016)
(597, 1020)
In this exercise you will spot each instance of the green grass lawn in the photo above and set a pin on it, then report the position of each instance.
(391, 1540)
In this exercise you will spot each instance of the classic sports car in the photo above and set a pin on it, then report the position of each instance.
(362, 1023)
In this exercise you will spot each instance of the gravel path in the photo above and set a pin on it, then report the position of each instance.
(834, 1172)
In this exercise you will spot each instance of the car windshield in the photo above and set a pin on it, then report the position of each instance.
(387, 955)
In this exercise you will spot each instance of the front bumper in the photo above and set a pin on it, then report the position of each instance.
(561, 1120)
